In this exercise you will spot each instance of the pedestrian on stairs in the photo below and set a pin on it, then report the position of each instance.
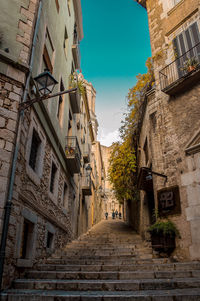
(113, 214)
(106, 215)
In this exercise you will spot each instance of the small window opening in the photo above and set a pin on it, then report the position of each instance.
(57, 6)
(65, 196)
(49, 240)
(26, 239)
(68, 5)
(35, 144)
(146, 152)
(53, 174)
(65, 41)
(60, 101)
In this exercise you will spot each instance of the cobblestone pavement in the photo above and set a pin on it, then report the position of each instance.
(110, 262)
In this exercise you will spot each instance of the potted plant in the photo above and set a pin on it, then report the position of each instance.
(75, 82)
(190, 64)
(163, 234)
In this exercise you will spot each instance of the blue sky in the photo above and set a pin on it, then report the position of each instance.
(114, 49)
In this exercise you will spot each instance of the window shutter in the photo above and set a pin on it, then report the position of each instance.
(176, 47)
(189, 43)
(182, 44)
(195, 33)
(196, 38)
(177, 53)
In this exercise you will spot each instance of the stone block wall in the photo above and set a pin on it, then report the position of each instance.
(176, 119)
(33, 197)
(10, 95)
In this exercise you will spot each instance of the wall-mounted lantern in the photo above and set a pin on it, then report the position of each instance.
(88, 170)
(45, 83)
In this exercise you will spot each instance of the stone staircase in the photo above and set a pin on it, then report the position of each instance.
(110, 262)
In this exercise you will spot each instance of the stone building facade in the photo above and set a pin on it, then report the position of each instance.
(170, 131)
(51, 190)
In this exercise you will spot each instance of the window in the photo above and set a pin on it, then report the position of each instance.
(66, 42)
(48, 53)
(26, 241)
(65, 196)
(53, 175)
(70, 124)
(146, 152)
(68, 6)
(185, 42)
(60, 102)
(49, 240)
(176, 1)
(57, 5)
(35, 144)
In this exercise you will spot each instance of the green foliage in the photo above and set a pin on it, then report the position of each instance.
(123, 162)
(121, 170)
(73, 83)
(136, 98)
(165, 227)
(190, 62)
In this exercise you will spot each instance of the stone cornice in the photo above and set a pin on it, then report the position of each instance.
(142, 2)
(9, 59)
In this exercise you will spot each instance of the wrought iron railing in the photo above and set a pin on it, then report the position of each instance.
(181, 67)
(72, 147)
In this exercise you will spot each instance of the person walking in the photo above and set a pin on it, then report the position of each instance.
(116, 213)
(113, 214)
(106, 215)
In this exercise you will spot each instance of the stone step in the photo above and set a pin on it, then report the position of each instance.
(90, 253)
(60, 295)
(106, 262)
(108, 285)
(74, 275)
(136, 267)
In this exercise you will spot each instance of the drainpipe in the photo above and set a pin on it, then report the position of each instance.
(8, 204)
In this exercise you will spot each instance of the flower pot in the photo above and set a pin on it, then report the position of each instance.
(191, 68)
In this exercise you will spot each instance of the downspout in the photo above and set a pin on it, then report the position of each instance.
(8, 204)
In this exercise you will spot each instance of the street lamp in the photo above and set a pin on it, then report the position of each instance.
(45, 83)
(88, 170)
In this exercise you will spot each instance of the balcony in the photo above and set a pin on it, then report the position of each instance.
(74, 98)
(76, 54)
(182, 73)
(73, 154)
(86, 185)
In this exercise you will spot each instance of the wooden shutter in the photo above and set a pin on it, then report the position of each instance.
(196, 38)
(178, 53)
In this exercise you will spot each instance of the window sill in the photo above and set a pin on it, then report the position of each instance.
(53, 197)
(33, 175)
(24, 263)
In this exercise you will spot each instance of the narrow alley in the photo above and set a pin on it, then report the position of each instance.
(109, 262)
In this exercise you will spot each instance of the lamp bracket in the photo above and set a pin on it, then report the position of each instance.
(24, 105)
